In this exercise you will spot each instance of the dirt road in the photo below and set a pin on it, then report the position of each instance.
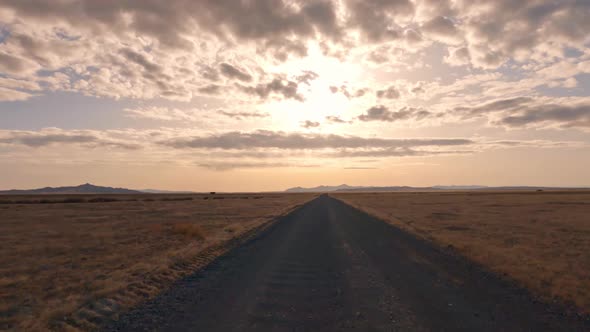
(329, 267)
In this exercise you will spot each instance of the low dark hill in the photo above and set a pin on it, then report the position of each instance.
(81, 189)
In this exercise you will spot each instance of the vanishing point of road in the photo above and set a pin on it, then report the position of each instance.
(330, 267)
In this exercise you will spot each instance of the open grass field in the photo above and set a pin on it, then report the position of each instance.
(66, 262)
(541, 240)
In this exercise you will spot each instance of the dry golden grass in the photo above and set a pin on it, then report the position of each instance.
(67, 265)
(538, 239)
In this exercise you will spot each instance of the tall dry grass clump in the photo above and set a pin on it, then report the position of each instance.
(189, 230)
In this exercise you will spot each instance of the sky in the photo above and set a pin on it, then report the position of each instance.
(256, 95)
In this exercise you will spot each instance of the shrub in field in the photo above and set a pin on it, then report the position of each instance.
(189, 230)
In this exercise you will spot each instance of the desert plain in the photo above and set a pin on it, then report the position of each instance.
(70, 262)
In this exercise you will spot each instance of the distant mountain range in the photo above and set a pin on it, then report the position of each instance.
(322, 189)
(81, 189)
(345, 188)
(92, 189)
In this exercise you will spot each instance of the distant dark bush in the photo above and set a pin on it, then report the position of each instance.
(72, 200)
(102, 200)
(168, 199)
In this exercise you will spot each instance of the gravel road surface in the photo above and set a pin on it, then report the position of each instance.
(330, 267)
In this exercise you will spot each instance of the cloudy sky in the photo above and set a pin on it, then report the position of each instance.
(268, 94)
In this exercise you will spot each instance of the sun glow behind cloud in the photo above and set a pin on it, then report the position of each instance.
(319, 100)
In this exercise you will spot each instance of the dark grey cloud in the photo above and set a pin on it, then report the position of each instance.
(242, 115)
(230, 165)
(458, 56)
(299, 141)
(32, 47)
(511, 104)
(389, 93)
(210, 73)
(441, 27)
(376, 19)
(141, 60)
(382, 113)
(40, 139)
(307, 76)
(310, 124)
(559, 115)
(505, 28)
(234, 73)
(282, 49)
(266, 21)
(393, 152)
(418, 88)
(278, 86)
(272, 20)
(11, 64)
(211, 89)
(359, 167)
(336, 119)
(527, 111)
(344, 90)
(360, 92)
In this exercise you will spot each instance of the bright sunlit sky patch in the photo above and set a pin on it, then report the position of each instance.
(268, 94)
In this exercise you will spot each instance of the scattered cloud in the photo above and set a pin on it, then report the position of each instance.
(282, 140)
(307, 76)
(163, 113)
(211, 89)
(344, 90)
(382, 113)
(282, 87)
(336, 119)
(231, 165)
(47, 137)
(389, 93)
(521, 112)
(307, 124)
(242, 115)
(234, 73)
(360, 168)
